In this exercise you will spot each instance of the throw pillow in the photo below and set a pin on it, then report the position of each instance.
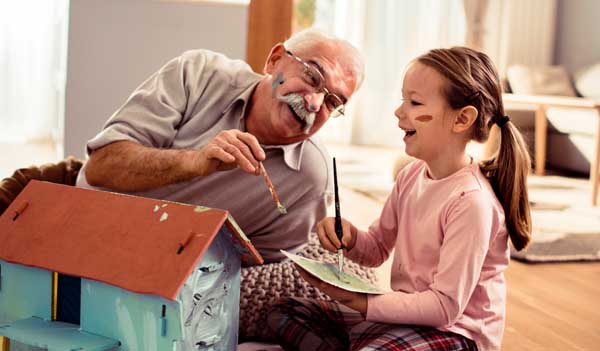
(540, 80)
(262, 286)
(587, 81)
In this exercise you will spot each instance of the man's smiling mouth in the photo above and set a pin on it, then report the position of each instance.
(296, 116)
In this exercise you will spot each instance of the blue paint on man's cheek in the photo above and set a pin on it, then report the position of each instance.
(276, 82)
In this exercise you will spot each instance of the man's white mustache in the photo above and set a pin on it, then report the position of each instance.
(296, 102)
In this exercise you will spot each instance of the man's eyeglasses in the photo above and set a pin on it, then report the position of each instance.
(312, 76)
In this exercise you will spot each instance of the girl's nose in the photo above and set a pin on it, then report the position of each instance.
(314, 101)
(399, 112)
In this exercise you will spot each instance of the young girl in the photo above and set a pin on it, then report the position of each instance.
(447, 219)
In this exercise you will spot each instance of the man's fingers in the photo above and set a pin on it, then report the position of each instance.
(244, 147)
(254, 145)
(216, 152)
(243, 153)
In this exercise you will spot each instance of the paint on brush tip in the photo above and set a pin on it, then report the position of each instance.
(424, 118)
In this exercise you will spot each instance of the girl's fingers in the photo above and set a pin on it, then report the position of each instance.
(324, 237)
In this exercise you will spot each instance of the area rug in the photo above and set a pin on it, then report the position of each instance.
(565, 226)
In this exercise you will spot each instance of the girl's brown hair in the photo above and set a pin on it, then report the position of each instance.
(472, 80)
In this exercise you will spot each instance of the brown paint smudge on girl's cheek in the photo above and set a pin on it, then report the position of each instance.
(424, 118)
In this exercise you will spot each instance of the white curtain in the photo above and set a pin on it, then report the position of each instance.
(475, 13)
(390, 33)
(32, 68)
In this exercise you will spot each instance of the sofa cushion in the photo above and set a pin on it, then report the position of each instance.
(540, 80)
(583, 122)
(587, 81)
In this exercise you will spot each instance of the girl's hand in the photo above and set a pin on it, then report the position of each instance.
(329, 239)
(354, 300)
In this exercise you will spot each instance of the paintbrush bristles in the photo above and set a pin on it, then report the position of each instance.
(280, 207)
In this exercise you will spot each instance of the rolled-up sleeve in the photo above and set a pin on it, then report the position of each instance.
(151, 114)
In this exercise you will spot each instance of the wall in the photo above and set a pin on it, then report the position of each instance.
(116, 44)
(578, 33)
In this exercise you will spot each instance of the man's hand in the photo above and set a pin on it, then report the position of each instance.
(230, 149)
(354, 300)
(328, 237)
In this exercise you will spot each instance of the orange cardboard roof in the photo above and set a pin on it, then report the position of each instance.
(143, 245)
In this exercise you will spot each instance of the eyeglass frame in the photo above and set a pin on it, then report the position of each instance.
(312, 71)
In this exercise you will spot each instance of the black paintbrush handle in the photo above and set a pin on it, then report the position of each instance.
(338, 217)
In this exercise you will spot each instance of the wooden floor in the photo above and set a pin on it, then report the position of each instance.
(553, 307)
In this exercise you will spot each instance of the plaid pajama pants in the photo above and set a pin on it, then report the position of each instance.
(308, 324)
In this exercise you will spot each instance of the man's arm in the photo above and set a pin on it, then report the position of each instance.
(128, 166)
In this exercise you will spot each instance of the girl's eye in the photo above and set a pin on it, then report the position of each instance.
(415, 103)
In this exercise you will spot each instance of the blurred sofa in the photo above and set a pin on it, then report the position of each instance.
(568, 104)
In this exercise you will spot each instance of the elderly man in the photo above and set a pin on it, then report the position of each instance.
(196, 131)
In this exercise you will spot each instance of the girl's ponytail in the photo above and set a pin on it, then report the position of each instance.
(507, 171)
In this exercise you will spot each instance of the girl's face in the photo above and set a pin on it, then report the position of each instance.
(425, 115)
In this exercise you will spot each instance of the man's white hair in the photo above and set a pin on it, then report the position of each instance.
(307, 39)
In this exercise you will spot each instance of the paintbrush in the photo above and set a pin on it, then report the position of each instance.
(280, 207)
(338, 220)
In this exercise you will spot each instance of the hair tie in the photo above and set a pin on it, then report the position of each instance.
(502, 121)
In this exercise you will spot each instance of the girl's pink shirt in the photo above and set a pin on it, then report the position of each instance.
(451, 249)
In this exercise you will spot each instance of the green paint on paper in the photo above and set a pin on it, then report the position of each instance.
(329, 273)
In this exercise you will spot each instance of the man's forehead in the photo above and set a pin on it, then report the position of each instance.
(338, 71)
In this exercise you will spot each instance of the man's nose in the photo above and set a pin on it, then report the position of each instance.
(314, 101)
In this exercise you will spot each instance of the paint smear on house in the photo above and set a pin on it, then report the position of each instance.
(164, 217)
(424, 118)
(208, 305)
(201, 209)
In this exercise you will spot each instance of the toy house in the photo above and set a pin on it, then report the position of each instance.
(90, 270)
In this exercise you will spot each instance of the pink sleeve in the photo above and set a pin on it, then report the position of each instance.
(466, 237)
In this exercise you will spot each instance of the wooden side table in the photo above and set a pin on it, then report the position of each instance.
(539, 104)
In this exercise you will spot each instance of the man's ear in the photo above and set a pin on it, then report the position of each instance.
(465, 119)
(277, 52)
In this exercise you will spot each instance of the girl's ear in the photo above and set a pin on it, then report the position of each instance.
(465, 119)
(277, 52)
